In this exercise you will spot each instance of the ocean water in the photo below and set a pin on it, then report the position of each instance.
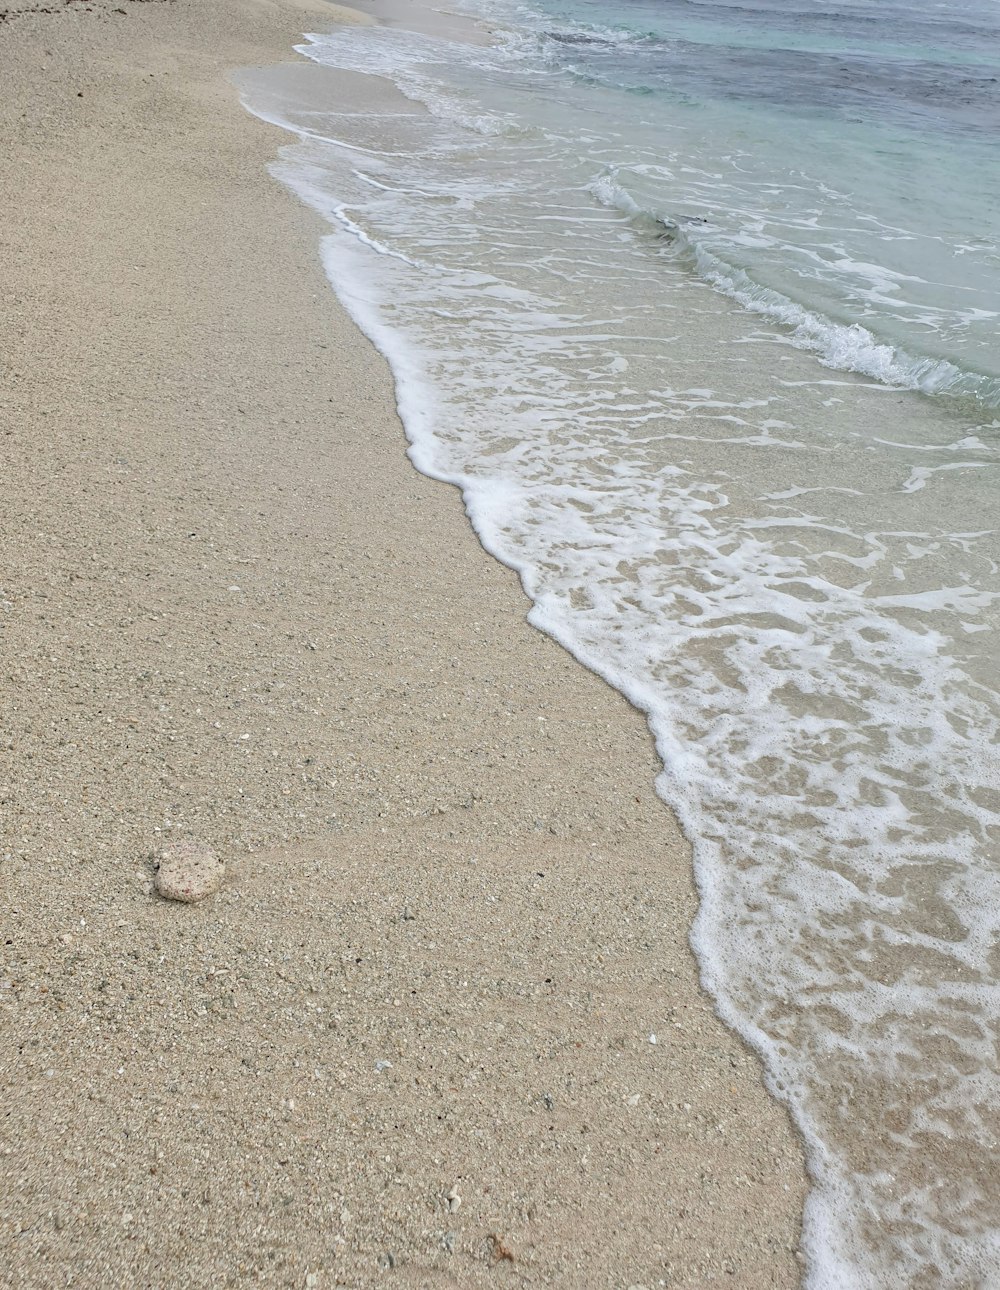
(699, 304)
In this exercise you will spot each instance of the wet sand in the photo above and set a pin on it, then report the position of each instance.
(410, 1041)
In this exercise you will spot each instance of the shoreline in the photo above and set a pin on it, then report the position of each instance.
(234, 611)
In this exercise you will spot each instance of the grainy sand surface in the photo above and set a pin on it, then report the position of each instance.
(454, 911)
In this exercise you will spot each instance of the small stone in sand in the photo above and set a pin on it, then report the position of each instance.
(189, 872)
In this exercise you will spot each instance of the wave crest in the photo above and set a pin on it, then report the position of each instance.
(846, 347)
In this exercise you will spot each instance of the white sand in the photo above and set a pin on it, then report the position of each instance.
(454, 910)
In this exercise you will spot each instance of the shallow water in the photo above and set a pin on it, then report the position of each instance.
(790, 565)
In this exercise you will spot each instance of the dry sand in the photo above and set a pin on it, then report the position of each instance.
(454, 911)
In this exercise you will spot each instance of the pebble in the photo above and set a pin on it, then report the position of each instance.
(454, 1200)
(189, 872)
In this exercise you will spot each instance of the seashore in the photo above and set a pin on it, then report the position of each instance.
(441, 1026)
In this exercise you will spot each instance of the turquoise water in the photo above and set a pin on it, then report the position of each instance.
(844, 156)
(698, 306)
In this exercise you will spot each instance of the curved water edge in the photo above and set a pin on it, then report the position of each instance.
(831, 1251)
(790, 572)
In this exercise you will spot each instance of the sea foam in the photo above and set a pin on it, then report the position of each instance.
(790, 575)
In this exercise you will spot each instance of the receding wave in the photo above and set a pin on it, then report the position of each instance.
(848, 348)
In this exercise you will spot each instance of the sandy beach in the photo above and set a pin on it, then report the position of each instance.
(441, 1026)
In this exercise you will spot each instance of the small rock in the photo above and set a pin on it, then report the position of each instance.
(189, 872)
(454, 1200)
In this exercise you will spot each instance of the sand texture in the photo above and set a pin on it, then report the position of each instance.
(408, 1041)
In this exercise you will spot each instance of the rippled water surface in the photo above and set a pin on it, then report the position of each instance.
(662, 292)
